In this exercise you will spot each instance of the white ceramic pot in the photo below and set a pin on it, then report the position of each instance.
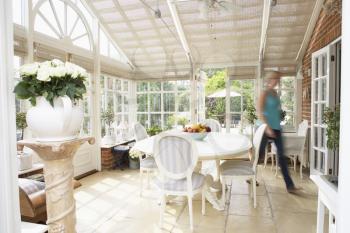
(58, 123)
(25, 161)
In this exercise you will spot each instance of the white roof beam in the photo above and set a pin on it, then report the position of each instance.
(310, 28)
(264, 26)
(90, 8)
(179, 29)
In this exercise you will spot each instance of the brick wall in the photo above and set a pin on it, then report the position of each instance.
(107, 159)
(327, 29)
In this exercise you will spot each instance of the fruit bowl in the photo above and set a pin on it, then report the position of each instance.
(197, 131)
(199, 136)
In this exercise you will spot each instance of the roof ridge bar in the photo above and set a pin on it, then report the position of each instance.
(264, 26)
(310, 28)
(179, 29)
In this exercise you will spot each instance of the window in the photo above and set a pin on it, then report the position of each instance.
(108, 49)
(286, 90)
(242, 93)
(115, 96)
(163, 103)
(59, 20)
(87, 108)
(17, 62)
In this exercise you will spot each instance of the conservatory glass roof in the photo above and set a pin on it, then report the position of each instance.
(237, 36)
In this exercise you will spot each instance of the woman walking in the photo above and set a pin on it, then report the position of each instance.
(270, 114)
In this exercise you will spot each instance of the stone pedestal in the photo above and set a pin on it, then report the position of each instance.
(58, 172)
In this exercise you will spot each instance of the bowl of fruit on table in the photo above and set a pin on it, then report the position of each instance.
(197, 131)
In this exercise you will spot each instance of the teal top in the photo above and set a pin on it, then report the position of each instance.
(272, 111)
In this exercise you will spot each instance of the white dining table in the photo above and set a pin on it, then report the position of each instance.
(216, 146)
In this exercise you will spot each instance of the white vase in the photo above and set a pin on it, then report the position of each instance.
(25, 161)
(60, 122)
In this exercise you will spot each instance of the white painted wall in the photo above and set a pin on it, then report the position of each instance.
(343, 223)
(9, 199)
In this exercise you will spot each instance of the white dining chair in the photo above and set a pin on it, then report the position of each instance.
(147, 163)
(294, 147)
(245, 170)
(213, 124)
(176, 157)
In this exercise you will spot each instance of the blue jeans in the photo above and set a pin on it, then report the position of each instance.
(280, 153)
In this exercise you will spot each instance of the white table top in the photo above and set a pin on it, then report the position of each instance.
(214, 146)
(27, 227)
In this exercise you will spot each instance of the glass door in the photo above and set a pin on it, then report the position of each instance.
(320, 86)
(242, 94)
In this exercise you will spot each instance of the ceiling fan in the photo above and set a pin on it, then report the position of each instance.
(219, 6)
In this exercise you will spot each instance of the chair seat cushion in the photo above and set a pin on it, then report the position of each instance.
(181, 185)
(236, 168)
(148, 162)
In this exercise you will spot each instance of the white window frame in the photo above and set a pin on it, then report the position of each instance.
(162, 112)
(326, 50)
(231, 113)
(294, 113)
(123, 92)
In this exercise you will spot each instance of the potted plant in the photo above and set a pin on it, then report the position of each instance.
(108, 117)
(53, 88)
(251, 117)
(21, 122)
(331, 118)
(154, 130)
(183, 121)
(134, 158)
(25, 160)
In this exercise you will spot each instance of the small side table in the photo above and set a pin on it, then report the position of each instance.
(58, 171)
(36, 168)
(107, 158)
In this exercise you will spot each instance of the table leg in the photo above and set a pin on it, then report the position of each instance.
(216, 185)
(210, 196)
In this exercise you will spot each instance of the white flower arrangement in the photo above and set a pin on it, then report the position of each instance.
(55, 68)
(135, 154)
(51, 79)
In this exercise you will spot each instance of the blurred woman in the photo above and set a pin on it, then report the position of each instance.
(269, 110)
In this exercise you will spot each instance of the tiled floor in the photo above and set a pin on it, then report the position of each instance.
(109, 202)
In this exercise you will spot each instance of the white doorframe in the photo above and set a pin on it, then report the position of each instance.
(321, 97)
(9, 198)
(343, 223)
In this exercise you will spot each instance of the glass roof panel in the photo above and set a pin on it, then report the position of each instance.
(107, 4)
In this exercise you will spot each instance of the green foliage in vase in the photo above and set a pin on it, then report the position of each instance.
(250, 113)
(173, 120)
(51, 79)
(135, 154)
(21, 122)
(154, 130)
(182, 121)
(108, 116)
(331, 118)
